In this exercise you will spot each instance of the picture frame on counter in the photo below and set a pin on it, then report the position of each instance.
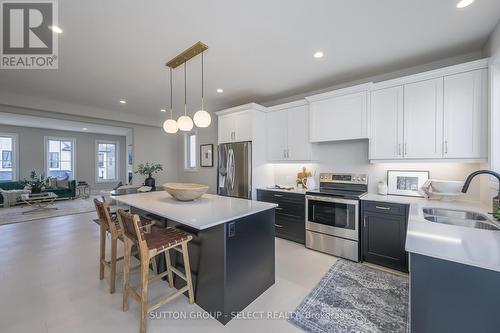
(207, 155)
(406, 182)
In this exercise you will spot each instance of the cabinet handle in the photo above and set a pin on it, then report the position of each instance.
(284, 153)
(364, 222)
(279, 208)
(383, 208)
(399, 149)
(278, 195)
(405, 149)
(287, 154)
(278, 225)
(446, 147)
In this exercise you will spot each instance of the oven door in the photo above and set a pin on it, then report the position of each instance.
(333, 216)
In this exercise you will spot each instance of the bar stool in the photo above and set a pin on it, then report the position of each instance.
(151, 245)
(109, 224)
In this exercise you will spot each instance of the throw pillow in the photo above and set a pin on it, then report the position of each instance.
(51, 182)
(62, 182)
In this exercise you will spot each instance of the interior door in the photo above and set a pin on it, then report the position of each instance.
(387, 123)
(423, 119)
(463, 114)
(276, 128)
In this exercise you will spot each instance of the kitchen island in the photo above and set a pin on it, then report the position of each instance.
(232, 251)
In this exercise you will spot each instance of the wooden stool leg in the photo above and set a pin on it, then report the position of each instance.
(144, 293)
(102, 252)
(187, 268)
(169, 274)
(112, 275)
(126, 271)
(154, 265)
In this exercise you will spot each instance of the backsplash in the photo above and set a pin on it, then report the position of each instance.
(352, 156)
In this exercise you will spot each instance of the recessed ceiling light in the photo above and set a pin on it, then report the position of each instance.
(85, 128)
(122, 101)
(318, 54)
(220, 90)
(163, 110)
(464, 3)
(56, 29)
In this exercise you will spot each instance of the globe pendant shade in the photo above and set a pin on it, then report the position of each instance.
(185, 123)
(202, 118)
(170, 126)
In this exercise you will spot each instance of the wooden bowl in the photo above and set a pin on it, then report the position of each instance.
(185, 191)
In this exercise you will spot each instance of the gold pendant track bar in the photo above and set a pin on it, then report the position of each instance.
(191, 52)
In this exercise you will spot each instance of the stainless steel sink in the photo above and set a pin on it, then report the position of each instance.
(460, 218)
(455, 214)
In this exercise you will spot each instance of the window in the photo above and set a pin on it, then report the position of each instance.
(106, 161)
(8, 155)
(190, 162)
(60, 154)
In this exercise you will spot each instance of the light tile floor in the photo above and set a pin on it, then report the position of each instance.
(49, 283)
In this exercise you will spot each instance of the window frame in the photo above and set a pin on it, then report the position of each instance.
(117, 161)
(187, 151)
(73, 154)
(15, 154)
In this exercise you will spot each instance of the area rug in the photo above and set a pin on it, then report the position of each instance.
(352, 297)
(64, 207)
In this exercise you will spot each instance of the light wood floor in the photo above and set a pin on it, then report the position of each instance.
(49, 283)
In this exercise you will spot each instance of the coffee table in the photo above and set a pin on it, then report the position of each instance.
(40, 203)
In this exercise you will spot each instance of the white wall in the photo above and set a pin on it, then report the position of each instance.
(152, 144)
(352, 156)
(205, 175)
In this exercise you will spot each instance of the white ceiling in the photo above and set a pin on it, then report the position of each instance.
(259, 50)
(59, 124)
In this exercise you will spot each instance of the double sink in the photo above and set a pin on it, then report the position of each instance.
(460, 218)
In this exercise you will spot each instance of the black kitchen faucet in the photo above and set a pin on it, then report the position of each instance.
(479, 172)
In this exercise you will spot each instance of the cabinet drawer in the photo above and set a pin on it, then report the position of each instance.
(290, 228)
(384, 208)
(288, 203)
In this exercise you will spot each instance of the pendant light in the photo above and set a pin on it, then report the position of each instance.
(202, 118)
(184, 122)
(170, 125)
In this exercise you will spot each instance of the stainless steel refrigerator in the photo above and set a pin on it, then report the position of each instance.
(234, 177)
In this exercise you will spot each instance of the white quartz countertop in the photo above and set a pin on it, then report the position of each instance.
(208, 211)
(464, 245)
(294, 190)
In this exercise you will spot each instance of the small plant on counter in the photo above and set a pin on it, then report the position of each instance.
(149, 169)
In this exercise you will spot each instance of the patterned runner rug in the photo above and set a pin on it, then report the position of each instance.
(352, 297)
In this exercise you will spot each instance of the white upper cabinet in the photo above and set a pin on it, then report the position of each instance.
(435, 115)
(423, 119)
(339, 115)
(239, 123)
(464, 118)
(277, 135)
(387, 123)
(299, 147)
(287, 128)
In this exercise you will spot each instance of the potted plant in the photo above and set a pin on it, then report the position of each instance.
(149, 169)
(36, 182)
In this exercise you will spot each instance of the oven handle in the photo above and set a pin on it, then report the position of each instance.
(332, 199)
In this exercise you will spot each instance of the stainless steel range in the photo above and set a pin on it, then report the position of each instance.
(332, 214)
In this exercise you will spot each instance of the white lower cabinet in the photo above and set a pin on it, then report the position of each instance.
(432, 119)
(287, 128)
